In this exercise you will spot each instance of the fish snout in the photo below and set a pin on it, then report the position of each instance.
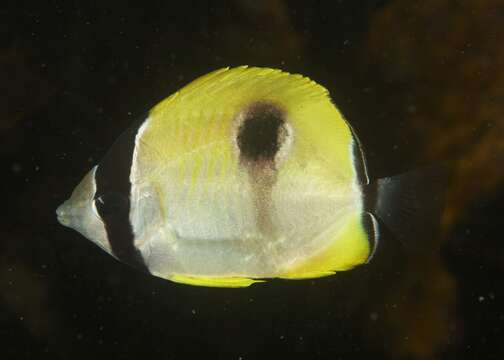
(72, 213)
(62, 214)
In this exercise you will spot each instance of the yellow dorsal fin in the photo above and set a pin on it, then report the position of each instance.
(233, 87)
(217, 98)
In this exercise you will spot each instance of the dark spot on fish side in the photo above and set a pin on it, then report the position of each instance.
(259, 134)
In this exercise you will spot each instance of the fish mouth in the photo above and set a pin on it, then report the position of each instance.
(63, 215)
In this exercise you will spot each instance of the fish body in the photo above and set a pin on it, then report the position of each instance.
(242, 175)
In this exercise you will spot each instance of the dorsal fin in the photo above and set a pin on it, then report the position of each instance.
(243, 82)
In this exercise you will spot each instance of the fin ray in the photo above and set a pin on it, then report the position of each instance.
(412, 201)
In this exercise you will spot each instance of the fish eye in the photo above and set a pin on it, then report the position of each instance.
(111, 203)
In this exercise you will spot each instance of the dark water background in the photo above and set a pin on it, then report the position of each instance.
(421, 81)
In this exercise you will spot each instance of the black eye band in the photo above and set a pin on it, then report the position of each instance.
(112, 198)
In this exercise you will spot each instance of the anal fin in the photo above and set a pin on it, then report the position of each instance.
(224, 282)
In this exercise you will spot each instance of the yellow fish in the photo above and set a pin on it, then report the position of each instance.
(244, 174)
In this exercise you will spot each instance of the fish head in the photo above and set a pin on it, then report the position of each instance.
(79, 212)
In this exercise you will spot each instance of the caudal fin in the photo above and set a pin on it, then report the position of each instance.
(411, 204)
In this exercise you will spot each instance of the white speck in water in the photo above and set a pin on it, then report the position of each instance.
(16, 167)
(412, 109)
(37, 168)
(193, 311)
(373, 316)
(481, 298)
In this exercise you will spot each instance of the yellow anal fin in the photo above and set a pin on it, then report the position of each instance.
(307, 275)
(229, 282)
(349, 248)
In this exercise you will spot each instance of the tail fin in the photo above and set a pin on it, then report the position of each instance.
(410, 204)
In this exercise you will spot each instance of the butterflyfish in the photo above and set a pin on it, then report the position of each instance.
(243, 175)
